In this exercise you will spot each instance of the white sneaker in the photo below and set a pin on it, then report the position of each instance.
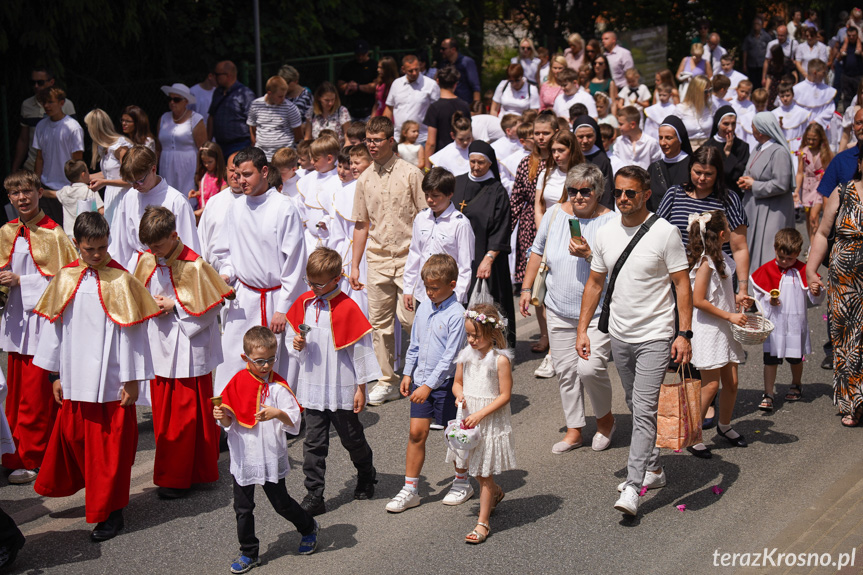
(651, 480)
(601, 442)
(628, 502)
(383, 393)
(460, 492)
(404, 500)
(436, 426)
(545, 369)
(23, 476)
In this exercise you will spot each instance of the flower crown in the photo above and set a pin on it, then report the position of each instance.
(485, 319)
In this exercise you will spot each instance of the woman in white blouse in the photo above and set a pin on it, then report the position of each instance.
(514, 95)
(529, 61)
(696, 112)
(109, 148)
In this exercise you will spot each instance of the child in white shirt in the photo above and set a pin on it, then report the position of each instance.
(509, 164)
(76, 197)
(816, 96)
(656, 114)
(317, 188)
(285, 162)
(634, 93)
(793, 119)
(721, 84)
(510, 144)
(572, 94)
(634, 147)
(438, 229)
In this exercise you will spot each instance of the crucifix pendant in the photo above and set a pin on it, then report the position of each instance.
(462, 206)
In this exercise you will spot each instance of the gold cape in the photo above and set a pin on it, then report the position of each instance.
(196, 284)
(50, 247)
(124, 299)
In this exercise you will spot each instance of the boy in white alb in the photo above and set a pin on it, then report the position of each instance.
(572, 94)
(504, 147)
(721, 87)
(634, 147)
(99, 347)
(338, 360)
(260, 255)
(793, 119)
(317, 188)
(139, 170)
(285, 161)
(33, 249)
(816, 96)
(746, 110)
(76, 194)
(215, 212)
(656, 114)
(726, 68)
(438, 229)
(184, 340)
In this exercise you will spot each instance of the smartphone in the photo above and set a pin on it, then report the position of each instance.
(574, 228)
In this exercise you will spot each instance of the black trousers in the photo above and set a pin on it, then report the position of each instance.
(755, 76)
(244, 505)
(317, 445)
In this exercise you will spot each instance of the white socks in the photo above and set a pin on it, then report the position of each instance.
(412, 483)
(730, 433)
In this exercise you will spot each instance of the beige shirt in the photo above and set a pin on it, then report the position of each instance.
(389, 196)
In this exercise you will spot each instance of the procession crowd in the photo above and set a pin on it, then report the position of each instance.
(252, 269)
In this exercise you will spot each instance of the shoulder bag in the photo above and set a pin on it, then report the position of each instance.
(537, 294)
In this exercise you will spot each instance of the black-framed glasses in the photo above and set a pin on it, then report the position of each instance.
(629, 193)
(175, 99)
(264, 362)
(39, 83)
(319, 286)
(374, 141)
(583, 192)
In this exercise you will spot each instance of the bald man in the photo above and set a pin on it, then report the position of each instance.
(789, 45)
(229, 110)
(619, 59)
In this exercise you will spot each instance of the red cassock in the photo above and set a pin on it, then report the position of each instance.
(30, 410)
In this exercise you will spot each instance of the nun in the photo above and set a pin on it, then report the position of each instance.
(672, 169)
(586, 131)
(735, 152)
(768, 186)
(481, 197)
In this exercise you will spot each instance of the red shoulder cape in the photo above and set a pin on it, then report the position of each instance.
(245, 393)
(768, 276)
(348, 324)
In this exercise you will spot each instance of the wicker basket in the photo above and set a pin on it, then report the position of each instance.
(756, 330)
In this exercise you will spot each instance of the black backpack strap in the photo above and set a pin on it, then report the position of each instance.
(606, 303)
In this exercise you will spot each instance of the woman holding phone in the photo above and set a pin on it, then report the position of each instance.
(564, 236)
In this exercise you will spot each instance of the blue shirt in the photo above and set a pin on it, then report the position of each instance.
(437, 336)
(229, 112)
(840, 170)
(468, 83)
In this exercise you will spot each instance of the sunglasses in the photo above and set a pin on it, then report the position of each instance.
(629, 193)
(263, 362)
(175, 100)
(39, 83)
(583, 192)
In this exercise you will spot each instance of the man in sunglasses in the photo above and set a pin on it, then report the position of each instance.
(640, 319)
(31, 112)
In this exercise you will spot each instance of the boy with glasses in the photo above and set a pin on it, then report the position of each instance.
(184, 339)
(338, 361)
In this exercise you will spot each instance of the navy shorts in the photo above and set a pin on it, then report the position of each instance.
(773, 360)
(439, 406)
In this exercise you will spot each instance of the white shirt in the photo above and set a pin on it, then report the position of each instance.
(642, 306)
(94, 356)
(342, 241)
(655, 115)
(516, 101)
(554, 186)
(793, 120)
(328, 378)
(411, 101)
(125, 245)
(631, 96)
(509, 166)
(504, 147)
(58, 141)
(530, 67)
(804, 53)
(486, 127)
(641, 153)
(562, 104)
(450, 233)
(70, 197)
(210, 225)
(714, 56)
(316, 190)
(203, 98)
(735, 77)
(19, 326)
(452, 158)
(698, 127)
(260, 455)
(788, 48)
(182, 345)
(818, 99)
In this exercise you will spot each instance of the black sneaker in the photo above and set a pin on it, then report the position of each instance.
(827, 363)
(172, 493)
(314, 505)
(365, 488)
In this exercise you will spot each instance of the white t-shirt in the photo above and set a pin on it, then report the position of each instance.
(487, 128)
(516, 101)
(76, 199)
(58, 141)
(203, 98)
(563, 103)
(553, 187)
(410, 102)
(642, 307)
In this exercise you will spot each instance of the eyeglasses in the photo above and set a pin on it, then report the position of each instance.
(263, 362)
(583, 192)
(374, 141)
(141, 181)
(319, 286)
(629, 193)
(39, 83)
(599, 63)
(175, 100)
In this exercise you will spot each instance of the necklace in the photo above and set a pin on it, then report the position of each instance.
(180, 119)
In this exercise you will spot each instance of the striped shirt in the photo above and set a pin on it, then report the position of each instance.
(274, 125)
(567, 274)
(676, 206)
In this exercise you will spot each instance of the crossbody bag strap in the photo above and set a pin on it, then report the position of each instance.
(606, 303)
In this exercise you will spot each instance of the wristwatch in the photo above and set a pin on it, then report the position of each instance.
(687, 334)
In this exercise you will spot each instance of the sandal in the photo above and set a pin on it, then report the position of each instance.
(539, 347)
(475, 537)
(766, 402)
(795, 393)
(497, 498)
(852, 419)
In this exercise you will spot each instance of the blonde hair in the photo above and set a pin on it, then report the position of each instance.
(325, 145)
(102, 132)
(558, 59)
(489, 330)
(695, 97)
(285, 158)
(697, 49)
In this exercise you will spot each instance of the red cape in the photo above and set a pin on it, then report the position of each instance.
(348, 324)
(768, 276)
(245, 394)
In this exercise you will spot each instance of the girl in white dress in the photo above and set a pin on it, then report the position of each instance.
(109, 148)
(483, 385)
(715, 352)
(409, 150)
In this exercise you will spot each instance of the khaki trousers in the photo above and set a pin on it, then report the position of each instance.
(385, 290)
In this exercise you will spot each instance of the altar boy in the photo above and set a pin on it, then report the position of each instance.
(101, 351)
(186, 348)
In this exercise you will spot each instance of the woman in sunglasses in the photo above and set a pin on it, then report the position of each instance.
(568, 256)
(181, 133)
(601, 81)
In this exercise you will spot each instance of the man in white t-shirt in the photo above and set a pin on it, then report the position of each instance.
(57, 140)
(641, 319)
(410, 96)
(31, 113)
(203, 93)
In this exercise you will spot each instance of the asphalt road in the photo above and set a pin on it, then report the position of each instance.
(557, 516)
